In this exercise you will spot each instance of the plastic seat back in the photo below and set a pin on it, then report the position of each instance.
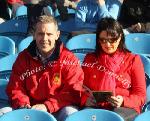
(27, 115)
(94, 115)
(7, 46)
(146, 62)
(80, 56)
(138, 42)
(3, 95)
(25, 43)
(6, 64)
(16, 28)
(21, 10)
(143, 116)
(148, 93)
(146, 107)
(83, 43)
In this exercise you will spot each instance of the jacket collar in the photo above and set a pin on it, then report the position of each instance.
(54, 56)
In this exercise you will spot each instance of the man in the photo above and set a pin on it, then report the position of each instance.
(46, 76)
(89, 12)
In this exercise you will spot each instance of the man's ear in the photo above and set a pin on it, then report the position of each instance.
(58, 34)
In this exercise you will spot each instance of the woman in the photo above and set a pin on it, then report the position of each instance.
(113, 68)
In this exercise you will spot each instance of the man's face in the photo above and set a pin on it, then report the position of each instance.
(46, 35)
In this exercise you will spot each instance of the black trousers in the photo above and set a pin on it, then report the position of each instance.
(128, 114)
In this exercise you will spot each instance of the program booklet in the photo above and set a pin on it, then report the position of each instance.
(102, 96)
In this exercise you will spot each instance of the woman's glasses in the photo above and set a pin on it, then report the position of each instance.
(110, 40)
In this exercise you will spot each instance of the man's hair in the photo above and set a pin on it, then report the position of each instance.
(46, 19)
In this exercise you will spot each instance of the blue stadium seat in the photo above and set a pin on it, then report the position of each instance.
(66, 27)
(3, 95)
(138, 42)
(146, 62)
(25, 43)
(7, 46)
(80, 56)
(17, 24)
(143, 116)
(15, 28)
(21, 10)
(50, 10)
(6, 64)
(148, 93)
(27, 115)
(94, 115)
(83, 43)
(146, 107)
(70, 11)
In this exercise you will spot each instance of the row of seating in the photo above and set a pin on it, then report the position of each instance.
(81, 45)
(83, 115)
(16, 28)
(8, 46)
(84, 43)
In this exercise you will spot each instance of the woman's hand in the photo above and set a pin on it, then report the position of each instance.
(90, 102)
(39, 107)
(116, 101)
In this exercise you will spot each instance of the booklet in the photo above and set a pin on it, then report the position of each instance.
(99, 96)
(102, 96)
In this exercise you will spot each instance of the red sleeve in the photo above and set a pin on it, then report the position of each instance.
(15, 88)
(137, 94)
(70, 93)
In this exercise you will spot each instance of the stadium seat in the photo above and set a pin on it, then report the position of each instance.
(70, 11)
(146, 107)
(83, 43)
(49, 8)
(67, 26)
(94, 115)
(138, 42)
(3, 95)
(6, 64)
(24, 43)
(7, 46)
(15, 28)
(148, 93)
(146, 62)
(21, 10)
(80, 56)
(27, 115)
(143, 116)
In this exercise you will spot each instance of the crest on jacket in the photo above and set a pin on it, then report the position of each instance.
(56, 79)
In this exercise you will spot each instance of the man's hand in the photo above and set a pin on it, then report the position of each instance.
(25, 106)
(136, 27)
(41, 107)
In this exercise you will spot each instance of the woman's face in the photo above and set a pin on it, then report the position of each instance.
(108, 43)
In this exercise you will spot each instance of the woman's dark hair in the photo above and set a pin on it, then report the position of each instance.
(113, 29)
